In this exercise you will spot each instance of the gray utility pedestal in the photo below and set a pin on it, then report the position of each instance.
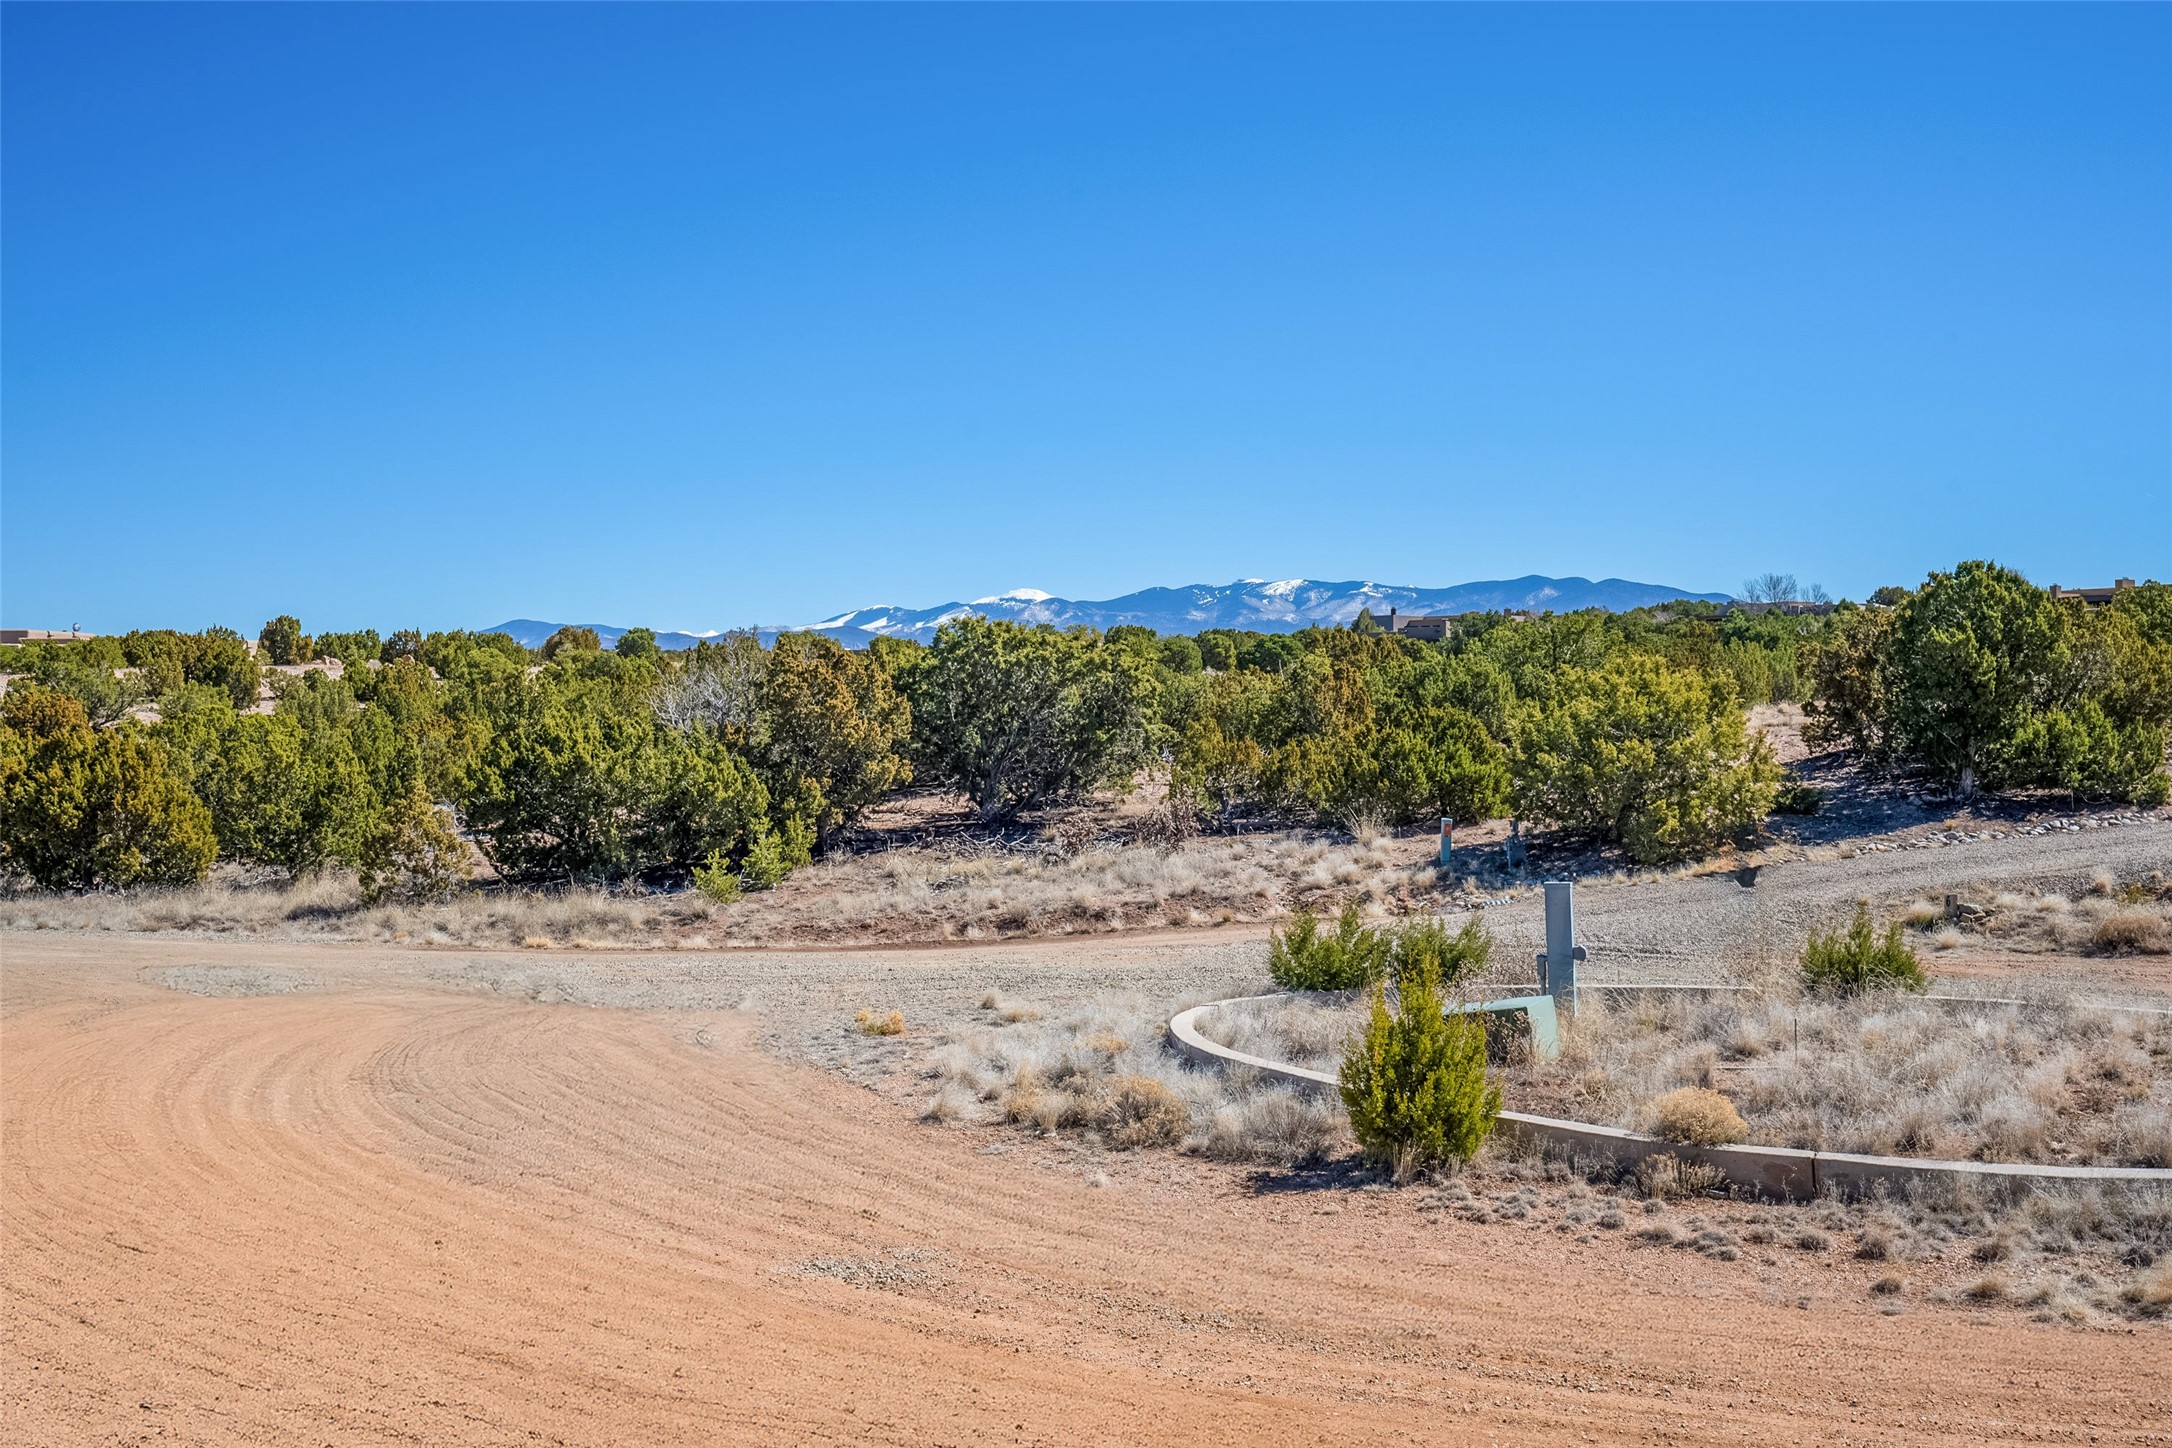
(1557, 964)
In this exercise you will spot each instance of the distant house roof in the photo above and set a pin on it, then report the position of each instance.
(2094, 597)
(1791, 607)
(1425, 626)
(41, 635)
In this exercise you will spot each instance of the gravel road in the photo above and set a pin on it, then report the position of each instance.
(1688, 929)
(353, 1212)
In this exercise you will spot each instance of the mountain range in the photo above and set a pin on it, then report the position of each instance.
(1280, 606)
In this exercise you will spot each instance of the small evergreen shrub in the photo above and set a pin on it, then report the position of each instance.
(1797, 798)
(414, 853)
(1848, 962)
(717, 880)
(774, 853)
(1415, 1084)
(1300, 957)
(1427, 947)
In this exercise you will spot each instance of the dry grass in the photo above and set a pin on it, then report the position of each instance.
(1890, 1075)
(1312, 1031)
(877, 1023)
(1102, 1069)
(1136, 1111)
(2111, 916)
(330, 907)
(2078, 1253)
(1697, 1116)
(2130, 931)
(1922, 914)
(2151, 1291)
(1665, 1178)
(982, 890)
(968, 888)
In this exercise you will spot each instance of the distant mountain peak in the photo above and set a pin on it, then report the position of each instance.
(1278, 606)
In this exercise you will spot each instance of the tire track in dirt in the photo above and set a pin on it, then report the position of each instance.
(388, 1214)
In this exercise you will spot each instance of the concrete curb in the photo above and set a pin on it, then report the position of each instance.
(1776, 1172)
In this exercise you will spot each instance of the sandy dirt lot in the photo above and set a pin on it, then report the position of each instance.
(282, 1193)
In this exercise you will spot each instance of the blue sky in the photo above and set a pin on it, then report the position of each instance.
(699, 315)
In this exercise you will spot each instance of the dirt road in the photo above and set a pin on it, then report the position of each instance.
(387, 1211)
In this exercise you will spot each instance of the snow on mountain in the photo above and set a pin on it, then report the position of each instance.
(1268, 606)
(1277, 606)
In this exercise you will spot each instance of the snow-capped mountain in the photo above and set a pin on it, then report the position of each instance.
(1279, 606)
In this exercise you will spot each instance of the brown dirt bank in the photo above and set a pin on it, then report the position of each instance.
(380, 1211)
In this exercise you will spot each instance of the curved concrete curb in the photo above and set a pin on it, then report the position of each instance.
(1779, 1172)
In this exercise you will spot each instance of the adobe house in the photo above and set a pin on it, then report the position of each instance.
(2094, 597)
(1429, 628)
(41, 635)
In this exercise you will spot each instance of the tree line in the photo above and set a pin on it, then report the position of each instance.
(147, 757)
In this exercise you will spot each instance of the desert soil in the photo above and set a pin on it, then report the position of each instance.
(285, 1192)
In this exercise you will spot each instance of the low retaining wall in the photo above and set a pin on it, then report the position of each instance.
(1777, 1172)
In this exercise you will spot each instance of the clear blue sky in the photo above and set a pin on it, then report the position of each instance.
(695, 316)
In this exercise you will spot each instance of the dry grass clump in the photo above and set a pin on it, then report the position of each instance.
(1273, 1123)
(1135, 1111)
(1697, 1116)
(875, 1023)
(1923, 914)
(1100, 1068)
(2150, 1294)
(1665, 1178)
(1128, 1111)
(2130, 931)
